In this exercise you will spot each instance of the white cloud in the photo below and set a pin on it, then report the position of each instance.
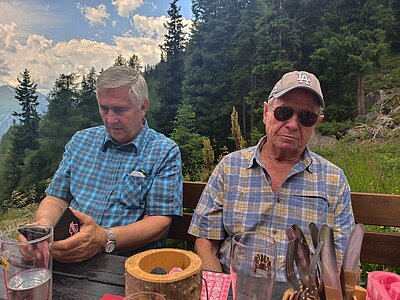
(28, 15)
(154, 27)
(47, 59)
(94, 15)
(125, 7)
(149, 26)
(146, 48)
(8, 37)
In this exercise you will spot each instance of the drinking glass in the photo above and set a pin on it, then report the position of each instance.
(144, 296)
(27, 264)
(252, 266)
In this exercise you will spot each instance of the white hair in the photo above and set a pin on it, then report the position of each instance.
(122, 76)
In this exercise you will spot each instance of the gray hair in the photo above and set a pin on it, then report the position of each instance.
(122, 76)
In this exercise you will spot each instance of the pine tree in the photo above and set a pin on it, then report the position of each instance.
(56, 128)
(189, 142)
(28, 117)
(120, 61)
(174, 43)
(171, 70)
(88, 107)
(135, 62)
(11, 160)
(220, 57)
(353, 42)
(21, 138)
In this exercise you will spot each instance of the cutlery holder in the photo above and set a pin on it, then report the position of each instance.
(359, 293)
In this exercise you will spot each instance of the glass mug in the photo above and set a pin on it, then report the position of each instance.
(253, 266)
(27, 265)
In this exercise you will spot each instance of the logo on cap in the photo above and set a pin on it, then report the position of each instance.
(302, 78)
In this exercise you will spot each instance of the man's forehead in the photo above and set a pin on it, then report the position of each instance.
(298, 96)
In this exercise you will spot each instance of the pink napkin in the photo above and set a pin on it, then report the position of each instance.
(383, 286)
(217, 284)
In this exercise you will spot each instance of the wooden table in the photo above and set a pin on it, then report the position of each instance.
(93, 278)
(89, 280)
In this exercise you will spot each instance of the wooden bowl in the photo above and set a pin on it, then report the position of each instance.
(185, 284)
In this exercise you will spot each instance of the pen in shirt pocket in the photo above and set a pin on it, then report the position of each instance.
(140, 173)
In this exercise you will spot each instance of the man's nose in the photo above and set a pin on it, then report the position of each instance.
(111, 117)
(293, 122)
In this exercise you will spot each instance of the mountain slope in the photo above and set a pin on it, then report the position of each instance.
(8, 104)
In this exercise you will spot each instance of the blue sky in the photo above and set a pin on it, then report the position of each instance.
(49, 37)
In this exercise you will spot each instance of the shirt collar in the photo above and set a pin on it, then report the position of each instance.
(136, 145)
(255, 158)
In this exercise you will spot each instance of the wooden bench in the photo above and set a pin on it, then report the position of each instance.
(369, 209)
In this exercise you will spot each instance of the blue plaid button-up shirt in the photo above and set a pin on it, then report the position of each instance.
(238, 197)
(117, 185)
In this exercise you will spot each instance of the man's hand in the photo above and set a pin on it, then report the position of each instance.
(208, 252)
(37, 253)
(88, 242)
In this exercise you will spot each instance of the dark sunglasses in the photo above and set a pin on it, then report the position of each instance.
(305, 117)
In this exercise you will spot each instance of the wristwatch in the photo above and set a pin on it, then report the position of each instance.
(110, 245)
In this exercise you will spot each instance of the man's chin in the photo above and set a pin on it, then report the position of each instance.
(119, 138)
(289, 149)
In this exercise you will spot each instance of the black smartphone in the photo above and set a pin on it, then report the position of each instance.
(33, 232)
(67, 225)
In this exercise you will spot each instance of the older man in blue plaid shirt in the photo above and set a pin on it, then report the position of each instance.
(279, 182)
(123, 180)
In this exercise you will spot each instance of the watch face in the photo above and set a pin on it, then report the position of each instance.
(109, 247)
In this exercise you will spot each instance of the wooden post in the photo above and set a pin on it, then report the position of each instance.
(182, 285)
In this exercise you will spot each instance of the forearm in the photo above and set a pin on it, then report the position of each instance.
(49, 210)
(141, 233)
(208, 252)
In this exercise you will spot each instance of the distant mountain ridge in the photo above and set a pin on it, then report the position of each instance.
(8, 104)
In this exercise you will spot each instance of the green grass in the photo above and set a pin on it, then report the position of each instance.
(14, 217)
(370, 166)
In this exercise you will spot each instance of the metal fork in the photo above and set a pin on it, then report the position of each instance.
(289, 266)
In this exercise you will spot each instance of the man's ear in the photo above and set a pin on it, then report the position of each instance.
(265, 110)
(319, 120)
(145, 106)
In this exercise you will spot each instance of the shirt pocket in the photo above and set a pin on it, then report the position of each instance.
(134, 191)
(306, 208)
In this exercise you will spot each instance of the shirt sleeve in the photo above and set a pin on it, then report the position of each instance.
(60, 184)
(165, 194)
(207, 220)
(344, 218)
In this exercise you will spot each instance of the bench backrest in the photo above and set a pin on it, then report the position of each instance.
(369, 209)
(382, 210)
(191, 195)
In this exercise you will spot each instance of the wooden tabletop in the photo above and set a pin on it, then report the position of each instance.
(102, 274)
(90, 279)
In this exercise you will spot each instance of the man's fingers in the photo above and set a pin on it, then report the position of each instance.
(81, 216)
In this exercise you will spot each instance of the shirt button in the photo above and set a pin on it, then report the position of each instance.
(274, 231)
